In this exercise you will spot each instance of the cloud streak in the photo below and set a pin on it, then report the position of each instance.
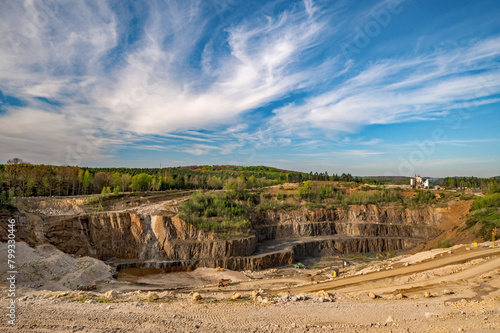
(153, 88)
(399, 90)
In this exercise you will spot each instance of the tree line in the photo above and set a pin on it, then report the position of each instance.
(22, 179)
(487, 185)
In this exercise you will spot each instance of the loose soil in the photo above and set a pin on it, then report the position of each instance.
(463, 286)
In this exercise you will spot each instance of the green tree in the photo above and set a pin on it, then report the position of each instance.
(126, 180)
(4, 198)
(141, 182)
(87, 179)
(105, 190)
(116, 179)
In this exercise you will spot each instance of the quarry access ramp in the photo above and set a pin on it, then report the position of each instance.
(474, 253)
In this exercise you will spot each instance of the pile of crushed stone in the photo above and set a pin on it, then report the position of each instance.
(48, 268)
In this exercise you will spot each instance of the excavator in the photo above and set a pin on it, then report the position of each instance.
(86, 287)
(223, 282)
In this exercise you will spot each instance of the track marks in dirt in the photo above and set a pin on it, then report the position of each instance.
(435, 263)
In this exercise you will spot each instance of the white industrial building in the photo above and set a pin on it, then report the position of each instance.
(419, 182)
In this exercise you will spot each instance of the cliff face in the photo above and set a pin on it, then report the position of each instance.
(170, 241)
(356, 214)
(132, 236)
(368, 221)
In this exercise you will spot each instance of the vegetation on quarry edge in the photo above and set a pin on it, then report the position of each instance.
(486, 216)
(228, 214)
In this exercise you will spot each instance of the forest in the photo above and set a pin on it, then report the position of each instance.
(22, 179)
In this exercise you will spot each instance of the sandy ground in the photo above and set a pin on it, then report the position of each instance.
(450, 290)
(154, 279)
(56, 315)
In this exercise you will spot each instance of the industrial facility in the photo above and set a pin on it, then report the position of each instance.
(419, 182)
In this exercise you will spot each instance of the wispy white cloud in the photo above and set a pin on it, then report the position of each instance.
(185, 137)
(450, 142)
(344, 153)
(153, 89)
(236, 128)
(371, 142)
(398, 90)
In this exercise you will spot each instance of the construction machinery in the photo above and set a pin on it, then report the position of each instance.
(88, 287)
(223, 282)
(220, 269)
(300, 265)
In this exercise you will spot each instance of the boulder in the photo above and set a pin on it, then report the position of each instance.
(323, 293)
(267, 300)
(399, 296)
(152, 296)
(111, 294)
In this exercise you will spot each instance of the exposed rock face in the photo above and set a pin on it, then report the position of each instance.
(170, 241)
(304, 229)
(132, 236)
(363, 220)
(27, 229)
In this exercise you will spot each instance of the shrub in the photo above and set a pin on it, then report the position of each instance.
(446, 243)
(360, 198)
(424, 197)
(275, 205)
(215, 212)
(105, 190)
(307, 191)
(491, 200)
(487, 215)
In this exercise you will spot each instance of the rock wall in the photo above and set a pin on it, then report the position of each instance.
(168, 239)
(27, 229)
(120, 235)
(355, 214)
(278, 231)
(365, 220)
(289, 255)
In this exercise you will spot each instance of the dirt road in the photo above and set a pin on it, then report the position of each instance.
(433, 264)
(473, 306)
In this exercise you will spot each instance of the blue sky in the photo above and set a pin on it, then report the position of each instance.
(367, 87)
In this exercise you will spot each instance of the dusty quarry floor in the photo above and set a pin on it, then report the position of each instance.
(442, 290)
